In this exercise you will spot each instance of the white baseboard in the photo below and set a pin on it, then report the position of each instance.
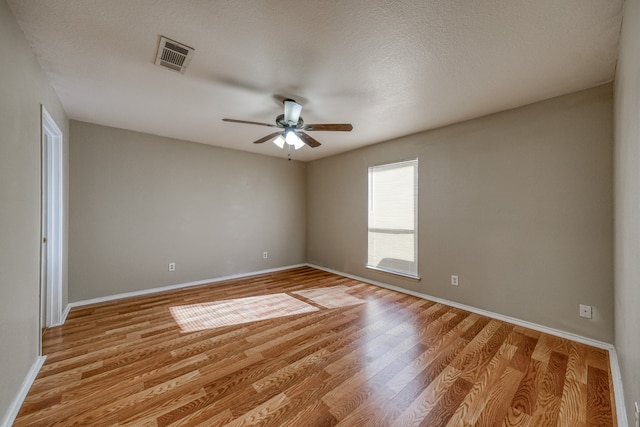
(12, 412)
(618, 391)
(172, 287)
(621, 412)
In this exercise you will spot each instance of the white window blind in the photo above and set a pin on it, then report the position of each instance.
(393, 212)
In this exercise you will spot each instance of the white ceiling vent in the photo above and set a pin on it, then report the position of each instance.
(173, 55)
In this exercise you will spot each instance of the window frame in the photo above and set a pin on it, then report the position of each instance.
(370, 200)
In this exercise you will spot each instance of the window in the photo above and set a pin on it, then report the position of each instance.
(393, 209)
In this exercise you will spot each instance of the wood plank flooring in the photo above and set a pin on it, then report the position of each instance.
(375, 358)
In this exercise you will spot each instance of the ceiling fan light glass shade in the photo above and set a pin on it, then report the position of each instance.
(292, 111)
(279, 141)
(293, 139)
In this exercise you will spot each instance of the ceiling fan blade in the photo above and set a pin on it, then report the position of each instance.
(311, 142)
(292, 111)
(267, 138)
(249, 123)
(343, 127)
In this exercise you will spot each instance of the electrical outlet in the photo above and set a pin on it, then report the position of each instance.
(454, 280)
(265, 255)
(172, 266)
(585, 311)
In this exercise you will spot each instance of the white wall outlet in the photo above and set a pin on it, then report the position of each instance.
(585, 311)
(172, 266)
(454, 280)
(265, 255)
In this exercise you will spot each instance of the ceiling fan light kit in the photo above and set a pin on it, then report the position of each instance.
(292, 126)
(293, 139)
(279, 141)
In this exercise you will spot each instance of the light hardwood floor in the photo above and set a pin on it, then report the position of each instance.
(378, 358)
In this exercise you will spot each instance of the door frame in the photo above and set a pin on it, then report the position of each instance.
(52, 217)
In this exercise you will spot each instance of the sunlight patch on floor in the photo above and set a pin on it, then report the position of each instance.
(198, 317)
(331, 297)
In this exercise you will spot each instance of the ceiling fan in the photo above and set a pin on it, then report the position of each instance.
(292, 126)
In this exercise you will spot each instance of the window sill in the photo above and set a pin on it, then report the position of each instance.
(395, 273)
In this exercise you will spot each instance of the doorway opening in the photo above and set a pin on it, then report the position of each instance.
(51, 234)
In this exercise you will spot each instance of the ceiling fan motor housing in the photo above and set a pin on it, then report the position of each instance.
(281, 122)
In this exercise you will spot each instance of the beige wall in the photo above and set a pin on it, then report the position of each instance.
(518, 204)
(627, 207)
(23, 87)
(139, 201)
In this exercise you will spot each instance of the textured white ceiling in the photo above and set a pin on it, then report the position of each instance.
(390, 68)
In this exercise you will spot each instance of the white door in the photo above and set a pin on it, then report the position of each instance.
(51, 239)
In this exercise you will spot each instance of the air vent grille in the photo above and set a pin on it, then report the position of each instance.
(173, 55)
